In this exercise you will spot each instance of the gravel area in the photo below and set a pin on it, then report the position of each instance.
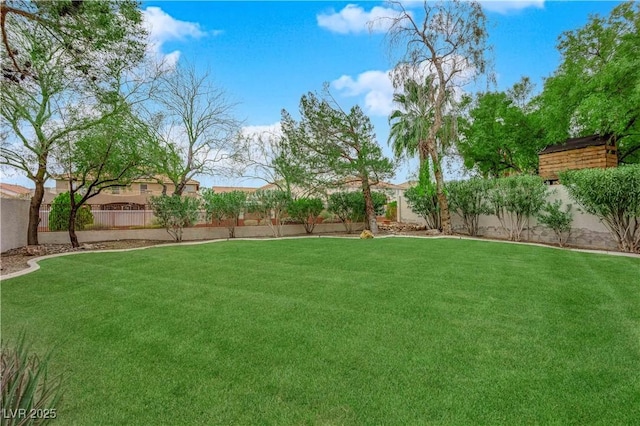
(16, 259)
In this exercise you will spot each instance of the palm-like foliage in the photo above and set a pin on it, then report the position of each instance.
(410, 123)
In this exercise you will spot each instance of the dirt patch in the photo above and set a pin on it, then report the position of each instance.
(16, 259)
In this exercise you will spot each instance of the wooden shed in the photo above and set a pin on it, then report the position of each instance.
(593, 151)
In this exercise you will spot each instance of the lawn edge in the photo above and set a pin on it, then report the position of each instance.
(34, 266)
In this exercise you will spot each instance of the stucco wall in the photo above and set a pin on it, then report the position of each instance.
(587, 230)
(190, 234)
(14, 219)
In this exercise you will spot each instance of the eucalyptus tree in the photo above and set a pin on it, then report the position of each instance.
(195, 125)
(339, 147)
(445, 48)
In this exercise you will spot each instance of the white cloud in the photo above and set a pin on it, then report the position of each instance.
(376, 87)
(354, 19)
(505, 7)
(163, 28)
(269, 130)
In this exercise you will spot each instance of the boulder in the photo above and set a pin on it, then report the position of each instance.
(366, 234)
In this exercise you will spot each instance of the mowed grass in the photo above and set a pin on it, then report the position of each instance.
(337, 331)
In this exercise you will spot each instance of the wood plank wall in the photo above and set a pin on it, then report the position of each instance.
(603, 156)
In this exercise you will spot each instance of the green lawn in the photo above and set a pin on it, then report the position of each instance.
(336, 331)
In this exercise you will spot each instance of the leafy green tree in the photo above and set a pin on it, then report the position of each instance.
(266, 203)
(444, 50)
(596, 89)
(350, 206)
(225, 206)
(175, 213)
(553, 217)
(514, 200)
(110, 155)
(88, 33)
(338, 146)
(469, 199)
(60, 214)
(613, 195)
(54, 100)
(501, 135)
(306, 211)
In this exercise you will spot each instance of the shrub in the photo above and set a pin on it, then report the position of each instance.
(392, 211)
(554, 218)
(61, 210)
(514, 200)
(266, 203)
(174, 213)
(306, 211)
(423, 201)
(613, 195)
(26, 385)
(225, 206)
(350, 207)
(469, 199)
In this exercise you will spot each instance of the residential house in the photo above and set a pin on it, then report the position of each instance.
(9, 190)
(133, 197)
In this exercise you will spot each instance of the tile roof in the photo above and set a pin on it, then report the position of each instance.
(11, 189)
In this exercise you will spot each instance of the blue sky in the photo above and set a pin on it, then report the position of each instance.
(266, 55)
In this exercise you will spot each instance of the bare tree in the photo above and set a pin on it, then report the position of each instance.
(269, 155)
(441, 52)
(195, 126)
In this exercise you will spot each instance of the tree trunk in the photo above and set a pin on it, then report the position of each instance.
(34, 210)
(371, 224)
(445, 217)
(72, 225)
(179, 188)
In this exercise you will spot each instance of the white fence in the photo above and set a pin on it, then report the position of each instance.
(115, 219)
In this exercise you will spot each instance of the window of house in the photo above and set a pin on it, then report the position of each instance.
(143, 188)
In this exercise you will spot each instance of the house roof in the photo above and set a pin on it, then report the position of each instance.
(150, 179)
(12, 190)
(576, 143)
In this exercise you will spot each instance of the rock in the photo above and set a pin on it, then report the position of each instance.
(366, 234)
(36, 250)
(432, 232)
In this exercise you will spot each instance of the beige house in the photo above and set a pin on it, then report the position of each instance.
(132, 197)
(9, 190)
